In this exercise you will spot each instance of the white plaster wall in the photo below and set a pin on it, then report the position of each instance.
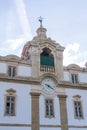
(66, 75)
(23, 103)
(49, 121)
(3, 67)
(49, 128)
(14, 128)
(70, 108)
(83, 77)
(24, 71)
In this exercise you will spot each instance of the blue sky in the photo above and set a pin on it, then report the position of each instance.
(65, 20)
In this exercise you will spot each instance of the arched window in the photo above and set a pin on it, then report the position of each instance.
(46, 58)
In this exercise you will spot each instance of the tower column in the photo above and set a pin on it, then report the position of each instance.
(35, 110)
(63, 112)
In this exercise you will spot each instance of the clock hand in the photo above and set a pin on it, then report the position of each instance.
(48, 86)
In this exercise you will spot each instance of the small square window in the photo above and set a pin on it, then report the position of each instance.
(11, 71)
(49, 108)
(74, 78)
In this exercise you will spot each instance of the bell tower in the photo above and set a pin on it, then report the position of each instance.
(44, 54)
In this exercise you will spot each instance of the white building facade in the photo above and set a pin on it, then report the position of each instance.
(38, 93)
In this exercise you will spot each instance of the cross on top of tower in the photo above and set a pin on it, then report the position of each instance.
(40, 20)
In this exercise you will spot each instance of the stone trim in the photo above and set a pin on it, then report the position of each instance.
(63, 112)
(21, 80)
(15, 125)
(30, 80)
(77, 98)
(50, 126)
(35, 110)
(34, 94)
(62, 96)
(59, 126)
(73, 86)
(10, 93)
(44, 126)
(75, 126)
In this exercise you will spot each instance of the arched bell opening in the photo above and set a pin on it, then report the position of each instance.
(47, 60)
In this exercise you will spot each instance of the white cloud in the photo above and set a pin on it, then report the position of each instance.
(23, 18)
(9, 24)
(12, 46)
(82, 64)
(15, 43)
(15, 46)
(72, 55)
(68, 58)
(74, 47)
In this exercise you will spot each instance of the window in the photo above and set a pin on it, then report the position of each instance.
(11, 71)
(47, 58)
(78, 108)
(10, 106)
(10, 100)
(49, 108)
(74, 78)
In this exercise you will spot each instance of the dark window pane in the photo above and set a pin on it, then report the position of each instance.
(8, 104)
(13, 99)
(8, 99)
(74, 78)
(47, 110)
(79, 104)
(46, 101)
(11, 71)
(76, 112)
(51, 110)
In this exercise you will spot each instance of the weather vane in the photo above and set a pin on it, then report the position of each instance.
(40, 20)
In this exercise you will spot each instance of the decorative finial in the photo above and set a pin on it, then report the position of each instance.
(40, 20)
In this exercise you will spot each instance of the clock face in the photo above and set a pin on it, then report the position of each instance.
(48, 86)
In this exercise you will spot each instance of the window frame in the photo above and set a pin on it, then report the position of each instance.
(80, 111)
(10, 95)
(13, 71)
(75, 80)
(49, 107)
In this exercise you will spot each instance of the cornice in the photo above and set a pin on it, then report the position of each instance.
(37, 81)
(21, 80)
(6, 60)
(80, 69)
(82, 86)
(44, 126)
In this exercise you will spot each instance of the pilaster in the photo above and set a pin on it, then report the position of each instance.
(35, 110)
(63, 112)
